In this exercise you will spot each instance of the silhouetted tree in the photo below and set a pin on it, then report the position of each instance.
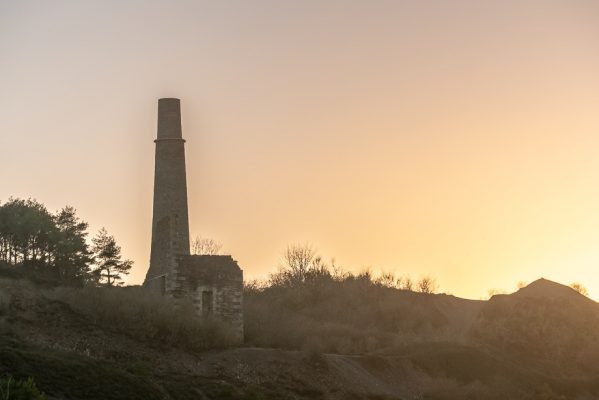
(54, 247)
(427, 284)
(26, 232)
(205, 246)
(109, 267)
(72, 255)
(299, 258)
(300, 264)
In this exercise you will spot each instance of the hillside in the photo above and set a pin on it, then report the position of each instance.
(545, 325)
(538, 343)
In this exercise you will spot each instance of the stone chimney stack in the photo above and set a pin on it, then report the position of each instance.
(213, 283)
(170, 223)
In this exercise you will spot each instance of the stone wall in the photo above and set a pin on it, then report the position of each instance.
(215, 285)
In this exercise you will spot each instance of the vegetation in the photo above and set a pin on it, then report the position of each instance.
(53, 247)
(110, 267)
(146, 317)
(104, 342)
(579, 288)
(558, 335)
(318, 307)
(87, 337)
(205, 246)
(68, 375)
(16, 389)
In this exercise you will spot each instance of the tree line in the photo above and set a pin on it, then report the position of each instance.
(55, 246)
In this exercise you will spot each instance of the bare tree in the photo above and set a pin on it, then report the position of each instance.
(205, 246)
(579, 288)
(299, 258)
(427, 284)
(300, 264)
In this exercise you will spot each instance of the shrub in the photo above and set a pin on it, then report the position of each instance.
(11, 389)
(427, 284)
(147, 317)
(579, 288)
(316, 310)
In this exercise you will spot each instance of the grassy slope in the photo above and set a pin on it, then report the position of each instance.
(57, 338)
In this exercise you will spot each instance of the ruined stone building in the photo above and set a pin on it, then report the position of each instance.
(213, 283)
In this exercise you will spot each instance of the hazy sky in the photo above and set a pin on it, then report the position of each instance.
(453, 138)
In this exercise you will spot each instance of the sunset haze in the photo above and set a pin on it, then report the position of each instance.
(456, 139)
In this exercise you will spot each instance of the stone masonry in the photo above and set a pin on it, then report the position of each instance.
(213, 283)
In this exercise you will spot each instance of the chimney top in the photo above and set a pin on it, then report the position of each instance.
(169, 118)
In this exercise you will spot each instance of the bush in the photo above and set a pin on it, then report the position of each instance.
(336, 312)
(11, 389)
(147, 317)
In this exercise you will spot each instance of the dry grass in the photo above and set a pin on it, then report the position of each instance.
(146, 317)
(347, 314)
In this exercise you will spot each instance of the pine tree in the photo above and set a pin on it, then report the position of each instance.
(26, 231)
(109, 267)
(72, 254)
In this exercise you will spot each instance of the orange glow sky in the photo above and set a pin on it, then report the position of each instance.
(453, 138)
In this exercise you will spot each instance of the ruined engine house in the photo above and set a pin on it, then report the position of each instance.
(214, 283)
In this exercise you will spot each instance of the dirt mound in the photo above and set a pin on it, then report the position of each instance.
(548, 326)
(549, 289)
